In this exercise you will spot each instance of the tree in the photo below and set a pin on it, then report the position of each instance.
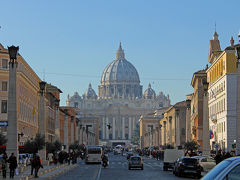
(3, 139)
(191, 146)
(39, 141)
(30, 147)
(58, 145)
(136, 135)
(53, 147)
(75, 146)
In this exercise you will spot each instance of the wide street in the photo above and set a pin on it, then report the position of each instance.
(118, 170)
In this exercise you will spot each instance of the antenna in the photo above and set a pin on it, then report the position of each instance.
(215, 27)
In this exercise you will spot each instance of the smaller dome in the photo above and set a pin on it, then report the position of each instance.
(75, 97)
(90, 93)
(149, 93)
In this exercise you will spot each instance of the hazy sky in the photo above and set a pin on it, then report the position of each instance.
(72, 41)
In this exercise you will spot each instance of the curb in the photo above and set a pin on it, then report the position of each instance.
(62, 172)
(43, 172)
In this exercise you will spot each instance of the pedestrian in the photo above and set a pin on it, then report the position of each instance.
(31, 162)
(4, 165)
(12, 164)
(218, 157)
(36, 165)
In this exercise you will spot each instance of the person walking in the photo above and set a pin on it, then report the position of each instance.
(12, 164)
(36, 165)
(4, 165)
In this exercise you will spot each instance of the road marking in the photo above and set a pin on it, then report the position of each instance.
(99, 173)
(148, 165)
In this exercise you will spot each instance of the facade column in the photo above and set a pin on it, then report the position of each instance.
(12, 131)
(107, 135)
(130, 128)
(123, 127)
(66, 131)
(103, 128)
(113, 127)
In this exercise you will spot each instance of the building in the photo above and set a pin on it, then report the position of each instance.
(222, 103)
(120, 101)
(197, 107)
(27, 96)
(173, 125)
(150, 129)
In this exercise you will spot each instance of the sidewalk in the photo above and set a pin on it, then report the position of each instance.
(26, 174)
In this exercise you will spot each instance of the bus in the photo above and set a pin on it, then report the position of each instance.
(94, 154)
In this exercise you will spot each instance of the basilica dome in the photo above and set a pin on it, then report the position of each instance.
(149, 93)
(90, 93)
(120, 70)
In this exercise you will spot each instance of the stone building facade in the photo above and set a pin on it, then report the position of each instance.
(120, 101)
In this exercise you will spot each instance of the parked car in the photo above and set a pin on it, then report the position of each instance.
(227, 169)
(170, 157)
(129, 154)
(187, 165)
(23, 159)
(135, 162)
(206, 162)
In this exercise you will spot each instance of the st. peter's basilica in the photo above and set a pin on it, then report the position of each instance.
(120, 101)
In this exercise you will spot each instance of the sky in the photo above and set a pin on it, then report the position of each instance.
(68, 43)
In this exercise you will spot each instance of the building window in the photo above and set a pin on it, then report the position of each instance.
(4, 64)
(4, 106)
(4, 85)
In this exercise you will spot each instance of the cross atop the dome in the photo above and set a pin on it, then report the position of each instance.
(120, 53)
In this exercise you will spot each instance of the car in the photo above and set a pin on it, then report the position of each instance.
(135, 162)
(227, 169)
(206, 162)
(23, 159)
(129, 154)
(187, 165)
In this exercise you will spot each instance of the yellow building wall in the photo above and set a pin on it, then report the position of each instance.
(226, 63)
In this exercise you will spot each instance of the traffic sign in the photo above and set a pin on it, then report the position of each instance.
(3, 123)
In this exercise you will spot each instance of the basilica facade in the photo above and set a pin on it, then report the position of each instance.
(120, 101)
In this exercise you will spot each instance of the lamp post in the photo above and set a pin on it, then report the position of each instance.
(41, 120)
(205, 138)
(12, 143)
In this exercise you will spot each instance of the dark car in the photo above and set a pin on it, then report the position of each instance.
(135, 162)
(129, 154)
(187, 165)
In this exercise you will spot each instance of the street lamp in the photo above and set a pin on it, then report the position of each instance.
(42, 85)
(13, 51)
(42, 119)
(20, 134)
(12, 143)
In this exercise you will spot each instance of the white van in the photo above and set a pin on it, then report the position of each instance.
(170, 157)
(93, 154)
